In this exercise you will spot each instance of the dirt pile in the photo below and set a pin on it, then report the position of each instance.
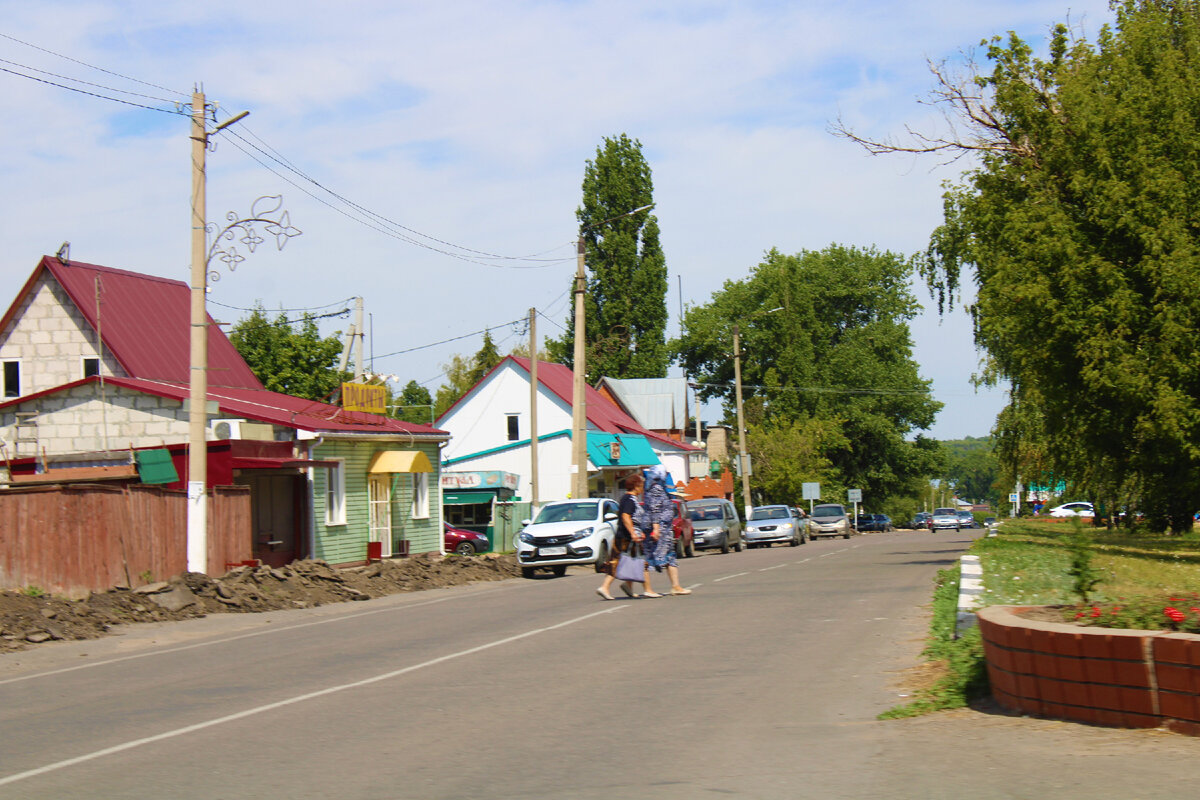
(29, 620)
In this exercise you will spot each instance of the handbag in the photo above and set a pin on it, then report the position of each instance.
(631, 568)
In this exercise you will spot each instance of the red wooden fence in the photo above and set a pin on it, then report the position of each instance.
(74, 539)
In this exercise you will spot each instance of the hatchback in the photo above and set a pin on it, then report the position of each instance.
(829, 519)
(464, 542)
(567, 532)
(715, 523)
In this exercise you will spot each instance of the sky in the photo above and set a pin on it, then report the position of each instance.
(432, 154)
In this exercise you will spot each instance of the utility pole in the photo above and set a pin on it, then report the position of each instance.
(533, 404)
(743, 461)
(358, 329)
(579, 481)
(197, 493)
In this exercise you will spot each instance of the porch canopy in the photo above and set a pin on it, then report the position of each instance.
(619, 450)
(399, 461)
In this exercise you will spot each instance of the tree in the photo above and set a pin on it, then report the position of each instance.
(972, 468)
(295, 362)
(825, 337)
(625, 303)
(1078, 228)
(462, 373)
(414, 404)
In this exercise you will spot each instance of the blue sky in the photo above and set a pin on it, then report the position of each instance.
(470, 122)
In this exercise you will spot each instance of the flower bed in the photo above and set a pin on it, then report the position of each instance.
(1108, 676)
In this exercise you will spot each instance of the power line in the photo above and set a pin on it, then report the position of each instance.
(282, 310)
(89, 66)
(92, 94)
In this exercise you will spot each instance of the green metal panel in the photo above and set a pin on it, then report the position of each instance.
(467, 498)
(155, 466)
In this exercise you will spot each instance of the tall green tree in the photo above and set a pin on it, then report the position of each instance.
(824, 336)
(463, 373)
(414, 404)
(1079, 228)
(626, 301)
(289, 356)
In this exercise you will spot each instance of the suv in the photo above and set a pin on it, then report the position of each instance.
(829, 519)
(567, 532)
(715, 523)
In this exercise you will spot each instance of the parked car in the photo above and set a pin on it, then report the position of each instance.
(966, 519)
(1077, 509)
(873, 522)
(922, 519)
(944, 519)
(990, 522)
(715, 523)
(829, 519)
(567, 532)
(683, 530)
(770, 524)
(464, 542)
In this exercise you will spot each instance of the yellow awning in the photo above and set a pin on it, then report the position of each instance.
(400, 461)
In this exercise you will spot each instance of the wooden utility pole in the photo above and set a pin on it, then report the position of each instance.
(533, 404)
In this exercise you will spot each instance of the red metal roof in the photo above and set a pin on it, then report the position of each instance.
(145, 322)
(603, 413)
(261, 405)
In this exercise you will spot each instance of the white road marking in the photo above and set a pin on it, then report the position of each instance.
(249, 712)
(250, 635)
(727, 577)
(777, 566)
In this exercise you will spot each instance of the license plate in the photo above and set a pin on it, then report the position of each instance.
(552, 551)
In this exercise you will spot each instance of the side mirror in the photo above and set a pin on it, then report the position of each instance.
(610, 517)
(525, 523)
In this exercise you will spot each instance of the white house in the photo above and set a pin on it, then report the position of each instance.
(490, 430)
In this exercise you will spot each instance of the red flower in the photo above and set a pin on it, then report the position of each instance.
(1095, 611)
(1080, 614)
(1174, 614)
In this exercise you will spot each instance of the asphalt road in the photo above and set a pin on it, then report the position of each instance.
(764, 683)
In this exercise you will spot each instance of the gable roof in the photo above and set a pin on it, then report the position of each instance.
(145, 322)
(602, 413)
(657, 403)
(261, 405)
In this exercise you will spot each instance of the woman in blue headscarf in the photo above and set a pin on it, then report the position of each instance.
(657, 521)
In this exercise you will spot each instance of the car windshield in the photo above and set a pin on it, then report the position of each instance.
(943, 512)
(582, 511)
(829, 511)
(769, 512)
(705, 512)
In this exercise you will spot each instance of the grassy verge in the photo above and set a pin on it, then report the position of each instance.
(957, 663)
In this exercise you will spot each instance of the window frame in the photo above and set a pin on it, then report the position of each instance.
(83, 361)
(514, 427)
(420, 496)
(15, 365)
(335, 493)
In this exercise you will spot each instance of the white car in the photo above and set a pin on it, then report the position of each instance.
(944, 519)
(1077, 509)
(567, 532)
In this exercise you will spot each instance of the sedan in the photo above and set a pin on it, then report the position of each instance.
(567, 532)
(966, 519)
(771, 524)
(464, 542)
(944, 519)
(874, 522)
(922, 519)
(1077, 509)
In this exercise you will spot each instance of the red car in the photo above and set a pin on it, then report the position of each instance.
(682, 526)
(464, 542)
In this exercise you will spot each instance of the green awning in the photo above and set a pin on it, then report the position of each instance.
(155, 466)
(620, 450)
(466, 498)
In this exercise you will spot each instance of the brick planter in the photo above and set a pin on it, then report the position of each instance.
(1106, 676)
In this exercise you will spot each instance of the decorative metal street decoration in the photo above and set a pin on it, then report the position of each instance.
(266, 211)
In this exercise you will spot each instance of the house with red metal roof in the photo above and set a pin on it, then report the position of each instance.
(490, 429)
(94, 366)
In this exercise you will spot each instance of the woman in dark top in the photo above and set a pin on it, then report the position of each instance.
(627, 533)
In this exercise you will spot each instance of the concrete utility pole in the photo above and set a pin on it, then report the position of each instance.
(197, 494)
(579, 480)
(533, 404)
(743, 462)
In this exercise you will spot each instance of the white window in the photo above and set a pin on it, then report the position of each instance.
(335, 494)
(12, 378)
(91, 366)
(420, 495)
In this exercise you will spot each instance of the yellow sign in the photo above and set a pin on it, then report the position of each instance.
(361, 397)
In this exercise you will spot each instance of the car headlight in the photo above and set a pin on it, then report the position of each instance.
(582, 533)
(787, 526)
(527, 538)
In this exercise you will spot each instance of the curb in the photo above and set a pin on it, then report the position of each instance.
(970, 587)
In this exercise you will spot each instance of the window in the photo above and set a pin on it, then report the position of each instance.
(91, 366)
(513, 430)
(12, 378)
(335, 494)
(420, 495)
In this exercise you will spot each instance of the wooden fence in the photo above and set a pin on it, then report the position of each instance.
(73, 539)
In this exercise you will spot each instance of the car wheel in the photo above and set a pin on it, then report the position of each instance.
(465, 549)
(725, 543)
(846, 535)
(559, 570)
(737, 548)
(602, 557)
(527, 572)
(795, 542)
(678, 549)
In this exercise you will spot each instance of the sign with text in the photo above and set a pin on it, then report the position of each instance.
(811, 491)
(362, 397)
(854, 495)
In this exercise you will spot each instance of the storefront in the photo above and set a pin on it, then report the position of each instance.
(482, 502)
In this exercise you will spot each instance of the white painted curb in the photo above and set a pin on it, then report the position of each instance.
(970, 587)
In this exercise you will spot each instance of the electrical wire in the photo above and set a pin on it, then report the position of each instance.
(90, 66)
(176, 110)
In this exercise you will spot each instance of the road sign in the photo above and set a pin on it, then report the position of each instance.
(854, 495)
(811, 491)
(1014, 498)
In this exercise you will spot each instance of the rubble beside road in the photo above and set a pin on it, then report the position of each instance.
(29, 618)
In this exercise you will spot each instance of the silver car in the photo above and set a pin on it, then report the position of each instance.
(944, 519)
(829, 519)
(770, 524)
(716, 524)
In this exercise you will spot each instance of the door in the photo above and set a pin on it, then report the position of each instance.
(379, 498)
(273, 507)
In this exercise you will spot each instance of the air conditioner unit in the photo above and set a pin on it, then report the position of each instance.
(242, 429)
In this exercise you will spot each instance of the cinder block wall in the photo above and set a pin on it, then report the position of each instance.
(1106, 676)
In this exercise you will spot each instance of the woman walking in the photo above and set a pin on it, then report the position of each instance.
(659, 518)
(627, 534)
